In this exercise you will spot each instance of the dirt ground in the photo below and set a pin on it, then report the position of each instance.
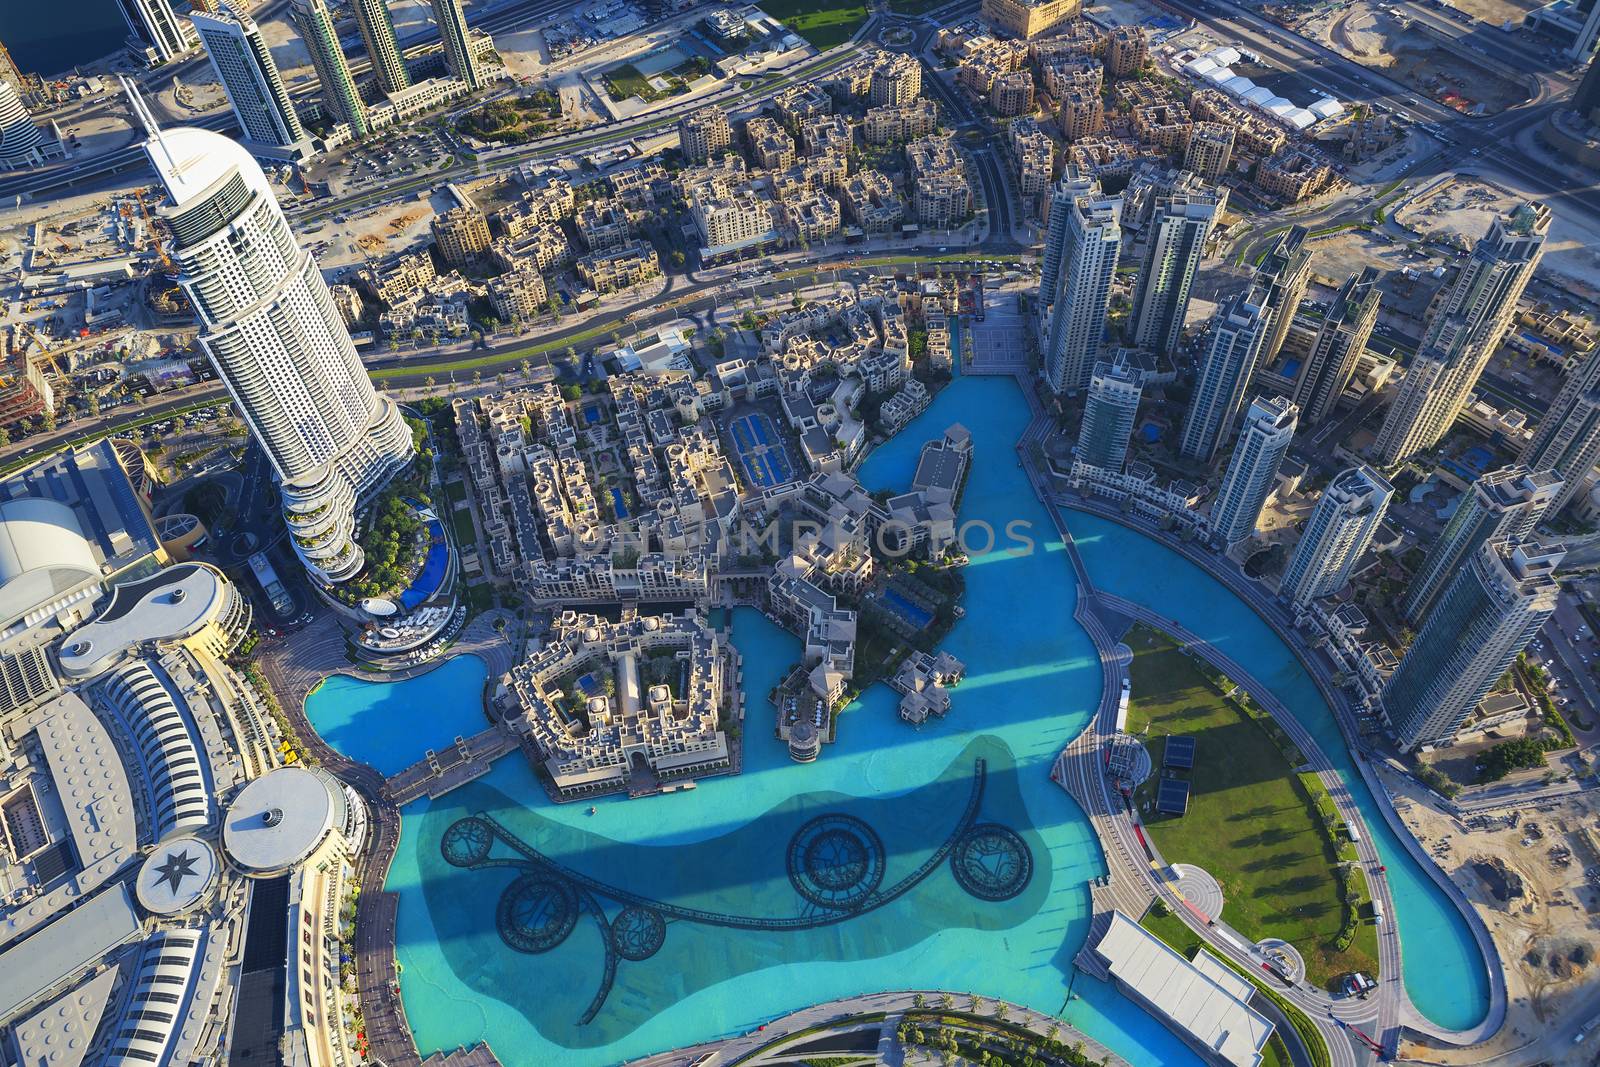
(375, 234)
(1496, 12)
(1466, 204)
(1367, 33)
(1528, 882)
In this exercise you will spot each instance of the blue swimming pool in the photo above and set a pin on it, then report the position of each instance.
(895, 799)
(915, 614)
(617, 503)
(391, 725)
(434, 567)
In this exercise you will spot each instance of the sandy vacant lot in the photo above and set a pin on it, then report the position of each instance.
(1466, 205)
(1528, 881)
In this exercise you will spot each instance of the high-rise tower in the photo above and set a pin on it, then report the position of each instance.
(1340, 341)
(1232, 346)
(269, 325)
(156, 26)
(1485, 617)
(1283, 275)
(1464, 328)
(1567, 440)
(1179, 228)
(1264, 439)
(1338, 533)
(339, 90)
(1108, 414)
(249, 76)
(1083, 273)
(1502, 505)
(377, 34)
(457, 46)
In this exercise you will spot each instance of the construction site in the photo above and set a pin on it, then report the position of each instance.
(1382, 37)
(1533, 874)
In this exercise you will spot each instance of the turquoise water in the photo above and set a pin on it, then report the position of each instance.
(696, 887)
(1444, 976)
(722, 850)
(391, 725)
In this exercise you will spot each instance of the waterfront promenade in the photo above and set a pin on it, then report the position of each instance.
(1079, 770)
(880, 1011)
(294, 667)
(1391, 1009)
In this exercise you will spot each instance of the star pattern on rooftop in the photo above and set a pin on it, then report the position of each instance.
(178, 866)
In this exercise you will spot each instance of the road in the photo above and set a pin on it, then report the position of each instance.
(684, 299)
(1489, 139)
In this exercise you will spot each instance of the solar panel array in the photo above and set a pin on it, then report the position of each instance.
(1179, 753)
(1173, 798)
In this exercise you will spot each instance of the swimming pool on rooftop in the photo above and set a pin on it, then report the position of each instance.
(740, 941)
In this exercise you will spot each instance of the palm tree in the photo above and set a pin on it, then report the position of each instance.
(526, 368)
(429, 382)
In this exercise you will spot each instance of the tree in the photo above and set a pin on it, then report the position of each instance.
(429, 382)
(526, 368)
(1499, 761)
(677, 258)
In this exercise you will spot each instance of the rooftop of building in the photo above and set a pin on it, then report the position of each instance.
(170, 603)
(1201, 997)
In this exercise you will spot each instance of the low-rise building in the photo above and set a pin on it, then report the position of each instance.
(770, 145)
(941, 194)
(519, 294)
(704, 133)
(602, 696)
(891, 124)
(870, 201)
(462, 234)
(1026, 19)
(603, 225)
(619, 268)
(1294, 174)
(814, 218)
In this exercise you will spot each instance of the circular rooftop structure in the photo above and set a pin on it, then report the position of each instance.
(281, 818)
(43, 553)
(177, 875)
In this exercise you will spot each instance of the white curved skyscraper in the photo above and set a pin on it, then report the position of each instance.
(269, 325)
(21, 140)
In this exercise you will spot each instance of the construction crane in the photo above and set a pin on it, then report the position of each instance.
(161, 250)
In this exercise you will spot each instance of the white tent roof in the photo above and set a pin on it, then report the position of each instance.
(1259, 95)
(1278, 106)
(1300, 118)
(1238, 85)
(1224, 56)
(1200, 67)
(1326, 108)
(1219, 75)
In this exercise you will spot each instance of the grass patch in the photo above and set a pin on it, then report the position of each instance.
(1185, 941)
(825, 23)
(1250, 823)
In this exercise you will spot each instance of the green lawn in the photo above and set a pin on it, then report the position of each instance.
(824, 23)
(1250, 822)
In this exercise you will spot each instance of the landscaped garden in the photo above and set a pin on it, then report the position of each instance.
(825, 23)
(626, 81)
(1269, 835)
(513, 121)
